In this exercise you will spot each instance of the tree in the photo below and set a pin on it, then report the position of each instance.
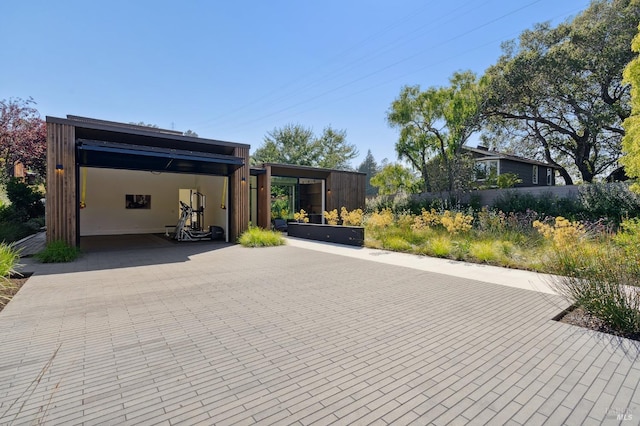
(23, 137)
(631, 141)
(295, 144)
(333, 150)
(560, 90)
(436, 122)
(370, 168)
(394, 178)
(190, 133)
(143, 124)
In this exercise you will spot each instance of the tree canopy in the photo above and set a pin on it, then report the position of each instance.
(295, 144)
(631, 141)
(436, 122)
(23, 138)
(394, 178)
(370, 168)
(559, 92)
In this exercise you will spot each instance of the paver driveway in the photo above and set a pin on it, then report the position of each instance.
(287, 335)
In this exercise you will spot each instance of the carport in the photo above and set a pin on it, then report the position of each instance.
(103, 165)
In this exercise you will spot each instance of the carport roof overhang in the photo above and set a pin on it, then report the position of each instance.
(113, 155)
(108, 144)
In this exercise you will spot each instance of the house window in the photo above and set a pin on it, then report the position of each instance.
(549, 175)
(487, 169)
(534, 176)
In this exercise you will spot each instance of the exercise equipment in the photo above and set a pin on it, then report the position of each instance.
(191, 222)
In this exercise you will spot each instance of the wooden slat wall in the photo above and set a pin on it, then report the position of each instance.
(345, 189)
(239, 191)
(264, 199)
(61, 199)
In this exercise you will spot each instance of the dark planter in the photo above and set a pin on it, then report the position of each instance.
(349, 235)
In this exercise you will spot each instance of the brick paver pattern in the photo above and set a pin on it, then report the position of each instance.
(189, 335)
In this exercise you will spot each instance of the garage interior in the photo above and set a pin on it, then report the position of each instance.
(108, 178)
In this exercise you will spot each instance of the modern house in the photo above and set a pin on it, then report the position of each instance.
(108, 178)
(494, 163)
(312, 189)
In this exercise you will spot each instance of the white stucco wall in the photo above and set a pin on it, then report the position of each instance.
(105, 212)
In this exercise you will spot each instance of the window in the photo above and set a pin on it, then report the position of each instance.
(534, 176)
(549, 176)
(487, 169)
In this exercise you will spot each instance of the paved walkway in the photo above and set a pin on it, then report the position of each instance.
(290, 335)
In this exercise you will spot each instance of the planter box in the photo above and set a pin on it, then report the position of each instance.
(349, 235)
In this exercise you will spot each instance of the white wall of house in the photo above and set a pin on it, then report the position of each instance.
(106, 213)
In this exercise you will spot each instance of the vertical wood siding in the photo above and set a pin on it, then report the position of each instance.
(345, 189)
(264, 199)
(61, 202)
(239, 191)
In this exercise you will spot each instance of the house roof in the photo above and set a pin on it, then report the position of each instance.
(295, 170)
(483, 153)
(94, 129)
(109, 144)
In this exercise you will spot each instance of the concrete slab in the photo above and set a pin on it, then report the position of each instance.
(290, 334)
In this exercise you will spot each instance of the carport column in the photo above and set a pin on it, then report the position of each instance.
(61, 198)
(264, 198)
(239, 190)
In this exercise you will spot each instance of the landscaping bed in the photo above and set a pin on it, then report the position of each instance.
(11, 288)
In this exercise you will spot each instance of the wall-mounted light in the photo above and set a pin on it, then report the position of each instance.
(262, 188)
(328, 191)
(243, 179)
(59, 168)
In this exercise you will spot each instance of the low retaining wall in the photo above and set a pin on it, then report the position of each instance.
(349, 235)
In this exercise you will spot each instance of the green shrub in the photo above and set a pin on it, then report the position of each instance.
(513, 201)
(440, 246)
(11, 231)
(396, 243)
(58, 252)
(25, 201)
(613, 200)
(258, 237)
(461, 247)
(486, 251)
(628, 238)
(599, 280)
(9, 258)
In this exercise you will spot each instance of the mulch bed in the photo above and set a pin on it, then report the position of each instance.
(11, 288)
(579, 317)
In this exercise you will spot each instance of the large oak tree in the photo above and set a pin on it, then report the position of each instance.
(559, 91)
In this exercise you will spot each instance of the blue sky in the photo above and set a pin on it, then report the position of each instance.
(235, 70)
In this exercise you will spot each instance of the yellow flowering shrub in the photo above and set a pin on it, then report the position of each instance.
(563, 233)
(405, 220)
(426, 220)
(351, 218)
(301, 216)
(456, 223)
(331, 217)
(380, 219)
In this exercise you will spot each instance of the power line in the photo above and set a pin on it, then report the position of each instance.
(386, 67)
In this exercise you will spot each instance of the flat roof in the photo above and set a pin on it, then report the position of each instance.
(111, 131)
(294, 170)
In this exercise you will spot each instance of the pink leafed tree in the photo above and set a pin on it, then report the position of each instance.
(23, 137)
